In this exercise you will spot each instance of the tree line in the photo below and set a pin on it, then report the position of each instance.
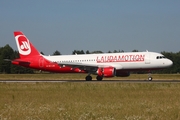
(8, 53)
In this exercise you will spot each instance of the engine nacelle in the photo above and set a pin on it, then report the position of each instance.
(106, 72)
(122, 73)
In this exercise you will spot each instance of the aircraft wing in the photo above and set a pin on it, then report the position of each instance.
(85, 66)
(82, 66)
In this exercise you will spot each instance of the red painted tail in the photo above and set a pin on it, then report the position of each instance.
(25, 47)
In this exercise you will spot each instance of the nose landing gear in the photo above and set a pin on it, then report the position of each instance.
(149, 76)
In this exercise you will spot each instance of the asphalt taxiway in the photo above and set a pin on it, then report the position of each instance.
(93, 81)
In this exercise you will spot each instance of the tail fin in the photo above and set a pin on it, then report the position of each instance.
(25, 47)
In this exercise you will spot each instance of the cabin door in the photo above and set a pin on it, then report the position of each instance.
(41, 62)
(147, 58)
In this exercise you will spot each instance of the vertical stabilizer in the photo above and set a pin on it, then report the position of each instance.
(25, 47)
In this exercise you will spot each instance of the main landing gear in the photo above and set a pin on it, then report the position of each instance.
(98, 78)
(88, 78)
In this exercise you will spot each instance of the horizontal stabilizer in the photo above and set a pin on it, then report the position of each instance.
(21, 61)
(8, 60)
(17, 60)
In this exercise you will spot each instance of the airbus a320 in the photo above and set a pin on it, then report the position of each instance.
(102, 65)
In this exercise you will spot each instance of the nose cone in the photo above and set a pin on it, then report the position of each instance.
(169, 63)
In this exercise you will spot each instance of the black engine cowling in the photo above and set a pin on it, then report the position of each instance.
(120, 73)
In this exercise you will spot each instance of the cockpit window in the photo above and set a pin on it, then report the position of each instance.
(160, 57)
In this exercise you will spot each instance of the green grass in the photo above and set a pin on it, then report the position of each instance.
(89, 101)
(82, 77)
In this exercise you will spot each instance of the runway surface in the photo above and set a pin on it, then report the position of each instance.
(93, 81)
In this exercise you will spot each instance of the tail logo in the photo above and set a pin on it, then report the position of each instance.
(23, 45)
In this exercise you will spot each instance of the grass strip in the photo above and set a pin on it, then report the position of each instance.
(91, 101)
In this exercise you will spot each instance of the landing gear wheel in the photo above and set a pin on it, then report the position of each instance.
(88, 78)
(99, 78)
(150, 78)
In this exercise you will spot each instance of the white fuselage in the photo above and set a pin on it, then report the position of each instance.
(120, 61)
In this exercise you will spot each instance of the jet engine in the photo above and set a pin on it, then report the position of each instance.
(120, 73)
(106, 72)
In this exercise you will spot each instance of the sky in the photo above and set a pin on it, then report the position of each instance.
(105, 25)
